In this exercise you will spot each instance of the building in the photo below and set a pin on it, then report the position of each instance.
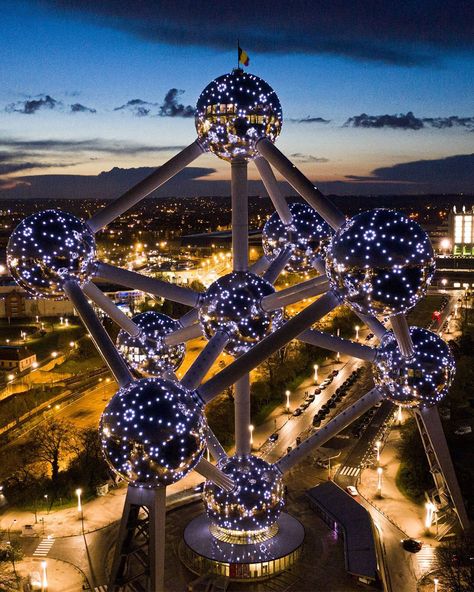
(460, 232)
(16, 358)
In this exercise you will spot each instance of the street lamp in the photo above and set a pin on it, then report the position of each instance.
(436, 582)
(9, 528)
(400, 415)
(44, 579)
(430, 510)
(79, 504)
(251, 428)
(316, 368)
(54, 354)
(378, 444)
(287, 393)
(379, 481)
(357, 332)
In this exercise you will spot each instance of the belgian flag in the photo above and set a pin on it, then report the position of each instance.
(243, 57)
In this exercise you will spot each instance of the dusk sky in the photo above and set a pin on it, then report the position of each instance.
(372, 102)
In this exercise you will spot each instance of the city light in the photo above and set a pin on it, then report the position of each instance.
(357, 332)
(79, 502)
(400, 415)
(287, 393)
(44, 578)
(54, 354)
(430, 511)
(251, 428)
(316, 368)
(378, 444)
(379, 480)
(436, 582)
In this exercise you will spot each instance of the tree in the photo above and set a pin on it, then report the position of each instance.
(54, 441)
(455, 563)
(89, 466)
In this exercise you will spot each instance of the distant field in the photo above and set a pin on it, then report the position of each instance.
(421, 314)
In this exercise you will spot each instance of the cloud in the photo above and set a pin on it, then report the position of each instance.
(14, 162)
(78, 108)
(401, 121)
(172, 108)
(447, 122)
(453, 174)
(138, 107)
(31, 106)
(309, 119)
(307, 158)
(401, 33)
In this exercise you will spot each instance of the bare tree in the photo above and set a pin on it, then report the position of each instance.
(55, 441)
(455, 563)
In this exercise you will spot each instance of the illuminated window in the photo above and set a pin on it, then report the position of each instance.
(458, 229)
(468, 229)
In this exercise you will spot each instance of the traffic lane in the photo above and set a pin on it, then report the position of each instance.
(296, 425)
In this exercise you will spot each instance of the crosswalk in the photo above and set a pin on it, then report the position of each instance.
(44, 547)
(350, 471)
(101, 588)
(426, 559)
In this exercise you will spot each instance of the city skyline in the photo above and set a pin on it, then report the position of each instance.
(369, 106)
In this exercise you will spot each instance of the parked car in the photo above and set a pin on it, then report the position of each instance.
(298, 440)
(352, 490)
(274, 437)
(289, 449)
(463, 430)
(317, 391)
(334, 372)
(412, 545)
(297, 412)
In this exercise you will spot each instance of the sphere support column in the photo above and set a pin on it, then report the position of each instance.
(240, 230)
(242, 415)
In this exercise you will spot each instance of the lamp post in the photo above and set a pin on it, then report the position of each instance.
(430, 510)
(44, 577)
(378, 444)
(79, 503)
(251, 428)
(357, 332)
(400, 415)
(436, 582)
(287, 393)
(316, 368)
(379, 481)
(9, 529)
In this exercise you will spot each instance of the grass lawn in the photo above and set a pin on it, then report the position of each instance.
(21, 403)
(421, 314)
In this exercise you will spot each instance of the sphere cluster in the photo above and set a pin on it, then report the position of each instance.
(420, 381)
(153, 432)
(307, 236)
(236, 110)
(148, 353)
(232, 304)
(48, 248)
(256, 501)
(380, 262)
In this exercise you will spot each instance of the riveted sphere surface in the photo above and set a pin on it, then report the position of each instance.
(380, 262)
(152, 432)
(256, 501)
(307, 236)
(236, 110)
(420, 381)
(148, 353)
(48, 248)
(232, 304)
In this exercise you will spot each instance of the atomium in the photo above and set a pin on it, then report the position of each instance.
(307, 237)
(232, 304)
(256, 501)
(380, 262)
(47, 249)
(153, 432)
(148, 353)
(234, 111)
(423, 379)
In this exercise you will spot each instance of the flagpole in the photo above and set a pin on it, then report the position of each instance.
(238, 54)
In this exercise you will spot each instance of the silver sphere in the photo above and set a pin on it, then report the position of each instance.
(153, 432)
(48, 248)
(256, 501)
(232, 304)
(307, 236)
(148, 353)
(234, 111)
(420, 381)
(380, 262)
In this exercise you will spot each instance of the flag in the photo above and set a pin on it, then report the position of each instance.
(243, 57)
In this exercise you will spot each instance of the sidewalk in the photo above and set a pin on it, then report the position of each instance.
(403, 512)
(60, 576)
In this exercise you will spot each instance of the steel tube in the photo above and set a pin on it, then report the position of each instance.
(290, 295)
(111, 309)
(338, 344)
(261, 265)
(203, 363)
(212, 473)
(137, 281)
(99, 335)
(260, 352)
(401, 331)
(331, 429)
(183, 334)
(277, 265)
(242, 415)
(240, 230)
(273, 190)
(333, 216)
(131, 197)
(215, 447)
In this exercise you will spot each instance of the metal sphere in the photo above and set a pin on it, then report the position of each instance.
(153, 432)
(422, 380)
(256, 501)
(307, 236)
(380, 262)
(232, 304)
(236, 110)
(48, 248)
(148, 353)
